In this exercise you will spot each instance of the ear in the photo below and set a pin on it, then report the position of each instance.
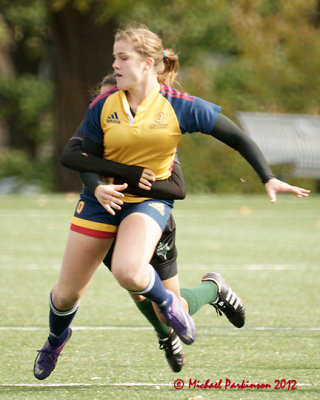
(149, 62)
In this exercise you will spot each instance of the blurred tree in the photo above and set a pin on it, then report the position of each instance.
(26, 93)
(278, 61)
(82, 51)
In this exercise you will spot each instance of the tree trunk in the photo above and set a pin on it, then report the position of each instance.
(82, 52)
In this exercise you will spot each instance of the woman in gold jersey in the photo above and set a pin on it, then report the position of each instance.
(140, 123)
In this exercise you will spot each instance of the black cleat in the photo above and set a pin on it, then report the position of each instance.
(173, 350)
(228, 301)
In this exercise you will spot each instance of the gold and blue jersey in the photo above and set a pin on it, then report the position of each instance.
(150, 139)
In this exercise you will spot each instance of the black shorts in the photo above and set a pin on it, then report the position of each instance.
(164, 259)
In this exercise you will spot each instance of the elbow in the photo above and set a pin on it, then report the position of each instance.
(182, 194)
(64, 160)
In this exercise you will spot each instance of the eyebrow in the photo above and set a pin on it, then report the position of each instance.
(119, 54)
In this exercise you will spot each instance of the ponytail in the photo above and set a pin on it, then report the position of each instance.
(171, 68)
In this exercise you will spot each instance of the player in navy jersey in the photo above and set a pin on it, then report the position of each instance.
(140, 123)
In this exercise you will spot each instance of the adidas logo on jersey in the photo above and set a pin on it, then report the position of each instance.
(113, 119)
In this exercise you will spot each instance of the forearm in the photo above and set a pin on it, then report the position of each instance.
(173, 188)
(229, 133)
(91, 180)
(165, 190)
(76, 158)
(169, 189)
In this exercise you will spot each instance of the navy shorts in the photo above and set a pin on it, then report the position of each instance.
(91, 219)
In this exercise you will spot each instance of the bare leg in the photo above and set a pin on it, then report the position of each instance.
(137, 238)
(82, 257)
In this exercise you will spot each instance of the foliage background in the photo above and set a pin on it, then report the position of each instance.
(245, 55)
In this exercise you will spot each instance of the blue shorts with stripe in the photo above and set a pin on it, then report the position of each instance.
(91, 219)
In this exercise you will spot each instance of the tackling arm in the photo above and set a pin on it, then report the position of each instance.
(84, 156)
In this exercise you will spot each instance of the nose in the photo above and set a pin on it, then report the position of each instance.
(114, 64)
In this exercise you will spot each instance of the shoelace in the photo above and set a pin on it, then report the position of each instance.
(52, 354)
(163, 345)
(218, 311)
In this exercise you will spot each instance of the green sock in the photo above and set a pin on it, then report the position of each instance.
(198, 296)
(147, 310)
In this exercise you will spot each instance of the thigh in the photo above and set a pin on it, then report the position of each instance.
(82, 257)
(137, 237)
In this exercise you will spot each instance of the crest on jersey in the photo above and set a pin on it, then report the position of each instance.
(159, 119)
(159, 122)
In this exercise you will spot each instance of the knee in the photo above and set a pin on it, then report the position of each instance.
(64, 299)
(127, 279)
(130, 277)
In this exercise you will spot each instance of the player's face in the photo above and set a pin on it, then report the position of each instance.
(128, 65)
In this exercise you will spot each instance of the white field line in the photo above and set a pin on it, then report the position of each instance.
(145, 328)
(84, 384)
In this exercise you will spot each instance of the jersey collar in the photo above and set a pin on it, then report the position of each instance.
(146, 103)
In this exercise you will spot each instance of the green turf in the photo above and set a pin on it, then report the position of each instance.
(268, 253)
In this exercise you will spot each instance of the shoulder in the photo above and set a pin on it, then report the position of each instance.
(100, 100)
(174, 95)
(193, 113)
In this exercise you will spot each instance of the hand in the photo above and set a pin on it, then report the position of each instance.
(275, 186)
(109, 196)
(146, 179)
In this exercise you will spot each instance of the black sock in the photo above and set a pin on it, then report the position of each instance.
(156, 292)
(59, 322)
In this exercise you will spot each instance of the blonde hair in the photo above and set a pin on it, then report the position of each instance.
(149, 44)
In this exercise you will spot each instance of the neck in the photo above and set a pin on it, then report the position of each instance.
(137, 94)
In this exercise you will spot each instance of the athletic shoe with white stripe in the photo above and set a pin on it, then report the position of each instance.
(227, 301)
(173, 351)
(179, 320)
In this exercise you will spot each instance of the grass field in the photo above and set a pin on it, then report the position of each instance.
(270, 255)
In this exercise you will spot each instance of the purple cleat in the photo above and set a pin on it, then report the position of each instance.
(180, 320)
(47, 358)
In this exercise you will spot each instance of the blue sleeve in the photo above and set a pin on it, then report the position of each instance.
(200, 116)
(91, 126)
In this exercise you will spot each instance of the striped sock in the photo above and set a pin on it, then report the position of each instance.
(156, 292)
(59, 322)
